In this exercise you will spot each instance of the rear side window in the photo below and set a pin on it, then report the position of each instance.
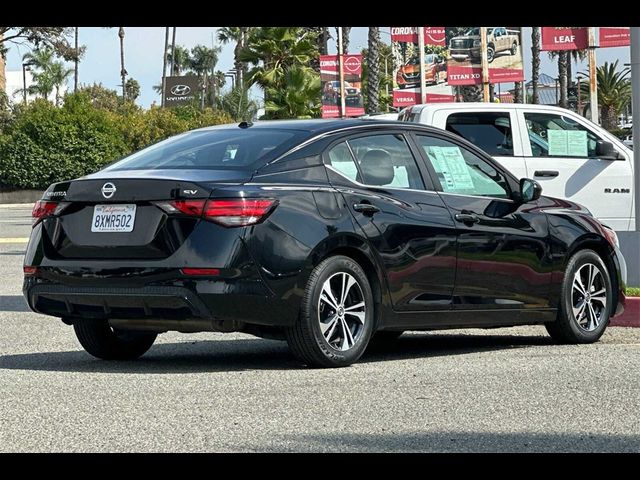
(386, 160)
(340, 158)
(241, 149)
(491, 131)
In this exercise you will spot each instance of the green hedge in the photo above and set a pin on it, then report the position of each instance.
(43, 144)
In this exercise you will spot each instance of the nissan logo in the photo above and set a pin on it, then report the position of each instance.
(180, 90)
(108, 190)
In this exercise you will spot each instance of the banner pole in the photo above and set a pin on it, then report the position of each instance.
(423, 85)
(485, 64)
(635, 95)
(593, 76)
(341, 72)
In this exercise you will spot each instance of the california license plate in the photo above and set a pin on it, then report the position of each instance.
(113, 218)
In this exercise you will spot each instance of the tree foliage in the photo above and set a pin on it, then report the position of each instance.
(614, 92)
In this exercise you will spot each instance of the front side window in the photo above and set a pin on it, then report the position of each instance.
(491, 131)
(461, 171)
(386, 160)
(553, 135)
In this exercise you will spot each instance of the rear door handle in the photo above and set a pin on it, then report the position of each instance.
(546, 173)
(467, 218)
(365, 208)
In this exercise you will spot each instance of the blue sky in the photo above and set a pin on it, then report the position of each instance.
(143, 54)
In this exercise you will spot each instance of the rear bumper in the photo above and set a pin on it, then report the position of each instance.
(121, 303)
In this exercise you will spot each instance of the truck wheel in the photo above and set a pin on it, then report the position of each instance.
(107, 343)
(336, 316)
(586, 300)
(490, 53)
(514, 49)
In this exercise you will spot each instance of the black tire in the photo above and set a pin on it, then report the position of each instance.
(514, 49)
(567, 328)
(306, 339)
(102, 341)
(491, 53)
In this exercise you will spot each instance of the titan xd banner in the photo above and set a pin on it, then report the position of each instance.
(614, 37)
(330, 81)
(564, 38)
(504, 54)
(406, 54)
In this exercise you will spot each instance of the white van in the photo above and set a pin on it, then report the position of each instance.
(570, 156)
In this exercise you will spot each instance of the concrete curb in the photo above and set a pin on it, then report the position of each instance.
(631, 315)
(20, 196)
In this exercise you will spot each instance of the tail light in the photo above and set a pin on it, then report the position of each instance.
(236, 212)
(43, 209)
(29, 271)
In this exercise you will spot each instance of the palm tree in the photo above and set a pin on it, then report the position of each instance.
(562, 78)
(535, 63)
(297, 97)
(203, 60)
(345, 38)
(59, 75)
(237, 104)
(238, 35)
(373, 72)
(273, 50)
(182, 59)
(41, 61)
(614, 92)
(123, 71)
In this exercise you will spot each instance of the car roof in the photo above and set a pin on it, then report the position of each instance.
(320, 126)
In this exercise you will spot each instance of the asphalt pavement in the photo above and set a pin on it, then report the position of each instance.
(454, 391)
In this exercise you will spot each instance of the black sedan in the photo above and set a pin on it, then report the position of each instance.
(323, 233)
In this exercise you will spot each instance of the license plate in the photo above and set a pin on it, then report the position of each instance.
(113, 218)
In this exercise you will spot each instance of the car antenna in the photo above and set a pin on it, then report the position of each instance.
(245, 124)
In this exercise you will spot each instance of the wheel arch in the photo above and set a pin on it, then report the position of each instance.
(604, 251)
(359, 250)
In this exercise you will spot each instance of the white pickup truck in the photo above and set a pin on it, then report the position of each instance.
(570, 156)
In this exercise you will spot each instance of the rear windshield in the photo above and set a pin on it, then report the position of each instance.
(239, 149)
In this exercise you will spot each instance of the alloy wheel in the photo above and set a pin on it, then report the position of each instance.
(341, 311)
(588, 297)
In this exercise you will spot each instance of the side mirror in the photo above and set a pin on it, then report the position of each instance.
(606, 150)
(530, 190)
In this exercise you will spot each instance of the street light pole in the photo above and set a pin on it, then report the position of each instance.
(593, 76)
(485, 64)
(423, 84)
(341, 73)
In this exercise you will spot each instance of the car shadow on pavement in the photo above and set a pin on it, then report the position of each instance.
(13, 303)
(461, 441)
(257, 354)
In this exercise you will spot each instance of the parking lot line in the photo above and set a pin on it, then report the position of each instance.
(14, 240)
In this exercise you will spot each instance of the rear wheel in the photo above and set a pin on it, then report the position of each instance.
(107, 343)
(336, 315)
(490, 53)
(586, 300)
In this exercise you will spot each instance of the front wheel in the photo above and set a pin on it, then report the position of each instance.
(102, 341)
(586, 300)
(514, 49)
(491, 53)
(336, 315)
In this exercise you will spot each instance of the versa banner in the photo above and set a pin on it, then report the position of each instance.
(406, 55)
(330, 84)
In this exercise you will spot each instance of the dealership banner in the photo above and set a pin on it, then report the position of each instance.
(181, 90)
(564, 38)
(330, 84)
(614, 37)
(406, 55)
(504, 54)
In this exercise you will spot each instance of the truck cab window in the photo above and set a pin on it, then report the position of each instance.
(491, 131)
